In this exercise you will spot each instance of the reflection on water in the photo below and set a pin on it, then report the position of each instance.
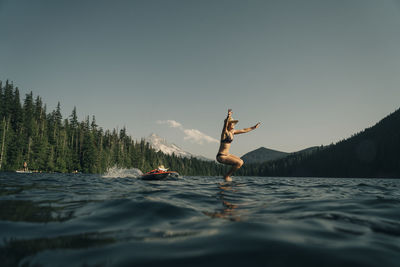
(229, 210)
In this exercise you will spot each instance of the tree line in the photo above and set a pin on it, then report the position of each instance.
(49, 143)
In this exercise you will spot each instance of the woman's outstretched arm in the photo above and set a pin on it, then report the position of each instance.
(246, 130)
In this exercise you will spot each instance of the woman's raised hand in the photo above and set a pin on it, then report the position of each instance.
(257, 125)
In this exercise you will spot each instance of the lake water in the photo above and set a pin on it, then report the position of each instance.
(119, 220)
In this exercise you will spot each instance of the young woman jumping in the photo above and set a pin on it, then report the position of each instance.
(227, 134)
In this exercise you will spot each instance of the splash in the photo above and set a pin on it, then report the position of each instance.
(116, 172)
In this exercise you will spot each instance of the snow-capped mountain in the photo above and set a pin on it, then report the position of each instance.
(161, 144)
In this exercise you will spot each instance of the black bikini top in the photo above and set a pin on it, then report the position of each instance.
(228, 139)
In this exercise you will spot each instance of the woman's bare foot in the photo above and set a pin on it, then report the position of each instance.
(228, 178)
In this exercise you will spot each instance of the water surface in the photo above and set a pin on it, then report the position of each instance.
(90, 220)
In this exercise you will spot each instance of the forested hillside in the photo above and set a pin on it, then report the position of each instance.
(373, 152)
(49, 143)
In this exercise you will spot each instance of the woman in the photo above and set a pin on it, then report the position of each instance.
(223, 155)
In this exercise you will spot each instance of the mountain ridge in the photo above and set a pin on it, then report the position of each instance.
(263, 154)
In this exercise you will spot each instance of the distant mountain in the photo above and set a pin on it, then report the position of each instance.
(161, 144)
(373, 152)
(263, 154)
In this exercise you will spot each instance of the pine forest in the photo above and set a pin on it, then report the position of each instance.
(49, 143)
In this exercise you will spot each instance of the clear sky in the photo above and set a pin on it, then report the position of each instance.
(312, 72)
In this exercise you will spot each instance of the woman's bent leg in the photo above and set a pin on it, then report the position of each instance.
(231, 160)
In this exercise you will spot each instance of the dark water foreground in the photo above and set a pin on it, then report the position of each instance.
(88, 220)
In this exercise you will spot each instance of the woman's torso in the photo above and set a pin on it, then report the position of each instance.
(225, 143)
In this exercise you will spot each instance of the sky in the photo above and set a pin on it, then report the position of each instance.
(313, 72)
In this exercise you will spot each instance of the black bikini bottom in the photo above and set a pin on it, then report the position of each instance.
(221, 154)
